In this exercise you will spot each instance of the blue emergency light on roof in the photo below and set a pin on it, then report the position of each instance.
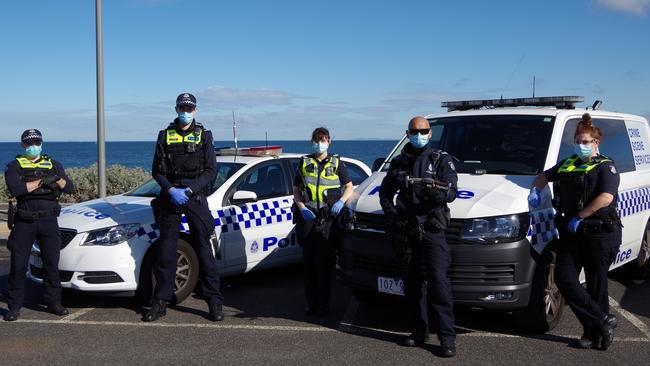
(249, 151)
(560, 102)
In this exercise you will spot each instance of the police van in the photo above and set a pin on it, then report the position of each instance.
(498, 243)
(107, 243)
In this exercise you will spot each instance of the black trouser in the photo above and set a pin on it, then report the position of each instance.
(430, 260)
(46, 232)
(201, 225)
(594, 253)
(318, 261)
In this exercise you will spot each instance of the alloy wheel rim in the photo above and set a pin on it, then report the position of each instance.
(182, 271)
(552, 296)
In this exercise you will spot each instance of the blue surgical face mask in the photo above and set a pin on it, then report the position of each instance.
(33, 151)
(185, 118)
(419, 140)
(320, 147)
(583, 151)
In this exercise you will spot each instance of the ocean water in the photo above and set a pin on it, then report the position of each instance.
(140, 153)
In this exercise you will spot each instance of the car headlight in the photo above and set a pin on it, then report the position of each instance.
(496, 229)
(112, 235)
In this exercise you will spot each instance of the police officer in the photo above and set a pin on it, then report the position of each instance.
(320, 190)
(426, 180)
(37, 181)
(585, 188)
(184, 167)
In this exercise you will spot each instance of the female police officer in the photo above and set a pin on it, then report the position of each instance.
(318, 197)
(585, 189)
(37, 181)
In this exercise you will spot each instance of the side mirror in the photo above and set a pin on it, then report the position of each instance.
(243, 197)
(377, 164)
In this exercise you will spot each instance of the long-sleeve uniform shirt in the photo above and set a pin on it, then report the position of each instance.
(18, 187)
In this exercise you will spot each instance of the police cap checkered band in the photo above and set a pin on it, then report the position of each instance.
(185, 99)
(31, 135)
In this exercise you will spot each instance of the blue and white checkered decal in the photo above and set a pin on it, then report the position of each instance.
(542, 227)
(233, 218)
(634, 201)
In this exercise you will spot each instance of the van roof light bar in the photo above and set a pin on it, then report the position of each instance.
(560, 102)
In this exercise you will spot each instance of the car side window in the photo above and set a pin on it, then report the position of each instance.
(267, 181)
(615, 143)
(357, 175)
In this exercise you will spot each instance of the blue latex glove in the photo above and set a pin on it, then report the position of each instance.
(336, 208)
(307, 214)
(533, 197)
(178, 196)
(574, 224)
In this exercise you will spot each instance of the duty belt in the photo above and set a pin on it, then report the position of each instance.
(31, 215)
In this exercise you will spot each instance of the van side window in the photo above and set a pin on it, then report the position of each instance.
(615, 143)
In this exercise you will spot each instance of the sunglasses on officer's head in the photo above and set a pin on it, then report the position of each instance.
(421, 131)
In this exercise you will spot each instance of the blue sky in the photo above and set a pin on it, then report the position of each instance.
(361, 68)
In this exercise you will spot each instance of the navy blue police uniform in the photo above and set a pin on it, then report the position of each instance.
(595, 244)
(185, 159)
(36, 220)
(422, 212)
(318, 238)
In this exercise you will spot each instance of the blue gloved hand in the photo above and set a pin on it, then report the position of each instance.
(307, 214)
(574, 224)
(533, 197)
(178, 196)
(336, 208)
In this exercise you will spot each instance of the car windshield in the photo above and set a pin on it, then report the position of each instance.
(492, 144)
(151, 188)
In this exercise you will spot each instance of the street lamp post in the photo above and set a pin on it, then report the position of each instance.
(101, 148)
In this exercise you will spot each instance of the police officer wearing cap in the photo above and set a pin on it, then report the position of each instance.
(36, 181)
(585, 189)
(320, 189)
(426, 180)
(184, 167)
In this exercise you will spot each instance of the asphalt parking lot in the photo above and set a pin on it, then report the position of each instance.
(265, 324)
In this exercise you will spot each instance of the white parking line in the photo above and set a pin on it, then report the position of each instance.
(640, 325)
(76, 314)
(180, 325)
(480, 334)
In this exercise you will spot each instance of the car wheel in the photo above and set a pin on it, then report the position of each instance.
(546, 304)
(640, 268)
(187, 274)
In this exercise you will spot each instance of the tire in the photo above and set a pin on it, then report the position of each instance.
(187, 274)
(640, 267)
(546, 305)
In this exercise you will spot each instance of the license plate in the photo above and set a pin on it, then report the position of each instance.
(37, 261)
(389, 285)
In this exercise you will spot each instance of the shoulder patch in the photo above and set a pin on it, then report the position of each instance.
(452, 166)
(612, 169)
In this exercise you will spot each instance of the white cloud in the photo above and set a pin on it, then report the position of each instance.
(225, 97)
(636, 7)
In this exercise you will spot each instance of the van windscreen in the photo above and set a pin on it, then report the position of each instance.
(496, 144)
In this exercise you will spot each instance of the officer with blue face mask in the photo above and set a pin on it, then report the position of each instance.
(426, 180)
(36, 181)
(184, 167)
(320, 189)
(585, 187)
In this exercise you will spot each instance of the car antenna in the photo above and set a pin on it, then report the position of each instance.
(266, 138)
(234, 134)
(533, 86)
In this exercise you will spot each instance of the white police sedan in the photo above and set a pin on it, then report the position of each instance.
(107, 243)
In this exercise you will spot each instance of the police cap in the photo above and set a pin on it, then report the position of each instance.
(185, 99)
(31, 136)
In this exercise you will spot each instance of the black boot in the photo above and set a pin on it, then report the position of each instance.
(11, 315)
(157, 311)
(606, 331)
(414, 339)
(57, 309)
(216, 312)
(448, 349)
